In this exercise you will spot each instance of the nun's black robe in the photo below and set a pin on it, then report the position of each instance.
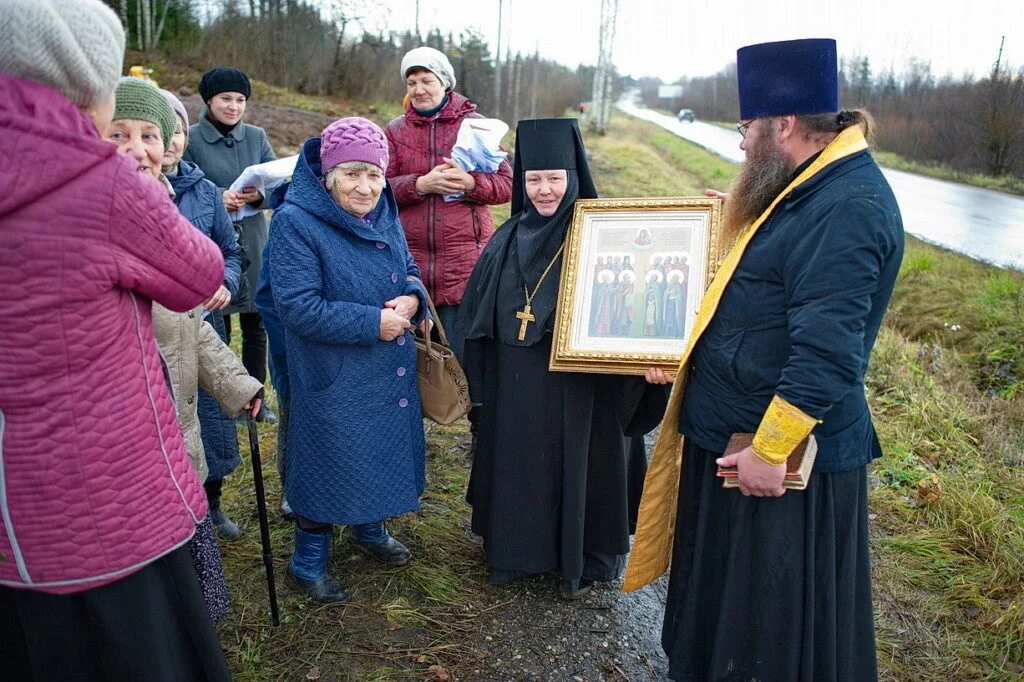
(560, 458)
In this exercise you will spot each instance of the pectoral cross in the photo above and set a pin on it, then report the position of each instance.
(526, 318)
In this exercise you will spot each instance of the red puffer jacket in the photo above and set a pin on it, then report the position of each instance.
(445, 238)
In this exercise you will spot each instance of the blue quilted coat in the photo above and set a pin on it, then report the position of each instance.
(200, 201)
(355, 433)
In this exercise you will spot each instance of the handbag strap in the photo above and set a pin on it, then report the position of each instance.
(437, 321)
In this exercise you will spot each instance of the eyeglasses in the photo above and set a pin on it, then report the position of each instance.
(742, 127)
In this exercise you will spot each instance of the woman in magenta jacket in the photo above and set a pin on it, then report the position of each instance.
(445, 237)
(97, 494)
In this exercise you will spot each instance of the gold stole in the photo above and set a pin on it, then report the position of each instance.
(656, 526)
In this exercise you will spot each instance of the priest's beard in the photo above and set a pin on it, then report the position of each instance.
(766, 172)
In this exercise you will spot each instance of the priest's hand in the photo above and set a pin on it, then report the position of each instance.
(715, 194)
(392, 325)
(406, 306)
(656, 375)
(756, 476)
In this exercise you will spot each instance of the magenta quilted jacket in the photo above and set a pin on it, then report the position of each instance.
(95, 481)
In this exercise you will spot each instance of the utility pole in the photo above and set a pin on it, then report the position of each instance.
(601, 93)
(497, 66)
(533, 85)
(418, 20)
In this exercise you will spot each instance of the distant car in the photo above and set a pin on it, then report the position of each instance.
(686, 115)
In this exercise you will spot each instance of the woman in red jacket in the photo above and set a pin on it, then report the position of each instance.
(445, 237)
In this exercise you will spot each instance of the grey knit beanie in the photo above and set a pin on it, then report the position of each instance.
(73, 46)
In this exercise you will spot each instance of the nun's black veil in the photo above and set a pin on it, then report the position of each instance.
(528, 241)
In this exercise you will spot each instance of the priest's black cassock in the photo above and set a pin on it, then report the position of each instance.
(560, 458)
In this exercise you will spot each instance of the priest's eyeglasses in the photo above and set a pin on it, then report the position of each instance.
(742, 127)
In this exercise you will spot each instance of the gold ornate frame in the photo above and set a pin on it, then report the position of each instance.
(564, 358)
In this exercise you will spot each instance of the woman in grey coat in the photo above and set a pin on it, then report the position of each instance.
(222, 146)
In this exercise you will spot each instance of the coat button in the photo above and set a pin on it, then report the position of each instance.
(400, 371)
(403, 403)
(381, 245)
(192, 313)
(394, 276)
(400, 340)
(191, 399)
(437, 219)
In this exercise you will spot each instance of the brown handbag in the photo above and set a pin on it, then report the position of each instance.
(444, 391)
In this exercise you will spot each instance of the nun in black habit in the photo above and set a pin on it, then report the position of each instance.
(560, 460)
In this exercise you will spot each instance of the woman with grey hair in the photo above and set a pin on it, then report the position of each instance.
(348, 293)
(445, 236)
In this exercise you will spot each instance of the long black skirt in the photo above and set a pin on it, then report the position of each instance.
(149, 626)
(772, 589)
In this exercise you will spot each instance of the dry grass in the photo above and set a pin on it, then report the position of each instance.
(947, 500)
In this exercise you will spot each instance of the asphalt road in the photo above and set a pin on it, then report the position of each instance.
(980, 223)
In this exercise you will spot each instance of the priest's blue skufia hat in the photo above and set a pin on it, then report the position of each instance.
(792, 77)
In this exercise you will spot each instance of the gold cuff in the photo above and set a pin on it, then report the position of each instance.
(782, 428)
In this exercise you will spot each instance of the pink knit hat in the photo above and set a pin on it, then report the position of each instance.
(353, 139)
(177, 106)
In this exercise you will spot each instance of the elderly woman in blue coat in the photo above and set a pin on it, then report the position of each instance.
(348, 294)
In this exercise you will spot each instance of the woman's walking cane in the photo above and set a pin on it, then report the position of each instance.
(261, 510)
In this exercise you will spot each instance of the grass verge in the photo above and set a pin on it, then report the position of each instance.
(947, 500)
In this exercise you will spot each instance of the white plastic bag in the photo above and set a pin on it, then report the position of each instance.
(478, 147)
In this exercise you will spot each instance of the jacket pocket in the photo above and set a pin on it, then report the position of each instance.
(760, 355)
(477, 227)
(325, 366)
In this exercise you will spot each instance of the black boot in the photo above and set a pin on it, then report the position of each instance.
(266, 414)
(388, 551)
(226, 528)
(573, 590)
(308, 567)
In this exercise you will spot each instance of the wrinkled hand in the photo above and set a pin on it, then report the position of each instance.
(455, 172)
(656, 375)
(438, 182)
(232, 201)
(219, 300)
(715, 194)
(392, 325)
(407, 306)
(253, 406)
(756, 477)
(249, 195)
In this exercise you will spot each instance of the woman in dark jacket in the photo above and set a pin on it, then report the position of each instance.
(222, 146)
(200, 201)
(348, 293)
(445, 237)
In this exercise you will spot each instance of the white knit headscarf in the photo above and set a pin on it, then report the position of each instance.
(73, 46)
(432, 60)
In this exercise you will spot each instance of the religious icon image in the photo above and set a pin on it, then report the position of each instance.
(643, 239)
(633, 275)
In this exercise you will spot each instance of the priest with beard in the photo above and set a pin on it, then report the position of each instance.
(559, 460)
(768, 583)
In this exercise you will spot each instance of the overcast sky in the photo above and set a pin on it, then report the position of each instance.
(673, 38)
